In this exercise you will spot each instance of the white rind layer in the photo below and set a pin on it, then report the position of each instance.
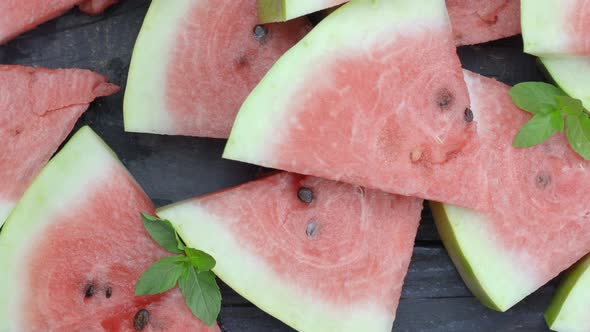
(574, 313)
(144, 108)
(66, 182)
(543, 26)
(504, 276)
(284, 10)
(355, 27)
(252, 278)
(572, 74)
(5, 208)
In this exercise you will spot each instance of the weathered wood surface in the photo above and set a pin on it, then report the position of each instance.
(175, 168)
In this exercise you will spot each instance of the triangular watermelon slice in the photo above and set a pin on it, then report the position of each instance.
(38, 108)
(381, 104)
(538, 223)
(195, 62)
(473, 21)
(19, 16)
(556, 27)
(316, 254)
(74, 247)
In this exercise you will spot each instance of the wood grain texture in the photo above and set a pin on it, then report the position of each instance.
(174, 168)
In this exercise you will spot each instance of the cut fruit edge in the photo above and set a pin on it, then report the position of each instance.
(144, 108)
(570, 306)
(248, 274)
(63, 183)
(496, 277)
(283, 10)
(541, 29)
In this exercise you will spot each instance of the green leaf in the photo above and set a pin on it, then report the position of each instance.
(162, 232)
(161, 276)
(538, 129)
(535, 97)
(569, 105)
(199, 259)
(201, 294)
(179, 243)
(578, 134)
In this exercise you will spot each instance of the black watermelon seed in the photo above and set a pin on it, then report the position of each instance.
(542, 181)
(444, 98)
(89, 290)
(305, 195)
(260, 33)
(468, 115)
(312, 230)
(108, 293)
(141, 319)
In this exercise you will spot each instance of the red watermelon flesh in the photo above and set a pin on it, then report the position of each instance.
(39, 109)
(307, 258)
(479, 21)
(19, 16)
(95, 7)
(76, 269)
(208, 68)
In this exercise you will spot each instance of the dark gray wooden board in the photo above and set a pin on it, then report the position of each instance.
(174, 168)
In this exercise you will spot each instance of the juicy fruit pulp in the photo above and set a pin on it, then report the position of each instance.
(316, 254)
(526, 236)
(74, 247)
(191, 70)
(23, 15)
(388, 109)
(556, 27)
(38, 108)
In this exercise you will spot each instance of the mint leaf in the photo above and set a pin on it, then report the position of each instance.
(578, 134)
(179, 243)
(161, 276)
(201, 294)
(569, 105)
(202, 261)
(162, 232)
(535, 97)
(538, 129)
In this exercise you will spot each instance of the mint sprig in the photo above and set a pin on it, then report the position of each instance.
(190, 269)
(553, 111)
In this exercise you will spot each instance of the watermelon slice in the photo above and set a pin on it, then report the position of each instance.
(569, 310)
(388, 109)
(474, 21)
(572, 74)
(556, 27)
(75, 245)
(39, 108)
(316, 254)
(191, 70)
(19, 16)
(539, 221)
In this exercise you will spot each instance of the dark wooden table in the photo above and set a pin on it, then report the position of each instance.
(174, 168)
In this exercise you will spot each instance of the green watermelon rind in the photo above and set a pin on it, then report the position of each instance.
(569, 307)
(57, 189)
(491, 275)
(249, 276)
(283, 10)
(571, 74)
(542, 30)
(144, 105)
(5, 209)
(348, 29)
